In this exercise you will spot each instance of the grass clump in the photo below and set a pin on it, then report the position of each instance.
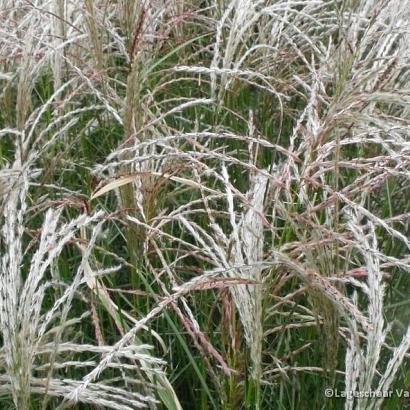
(204, 204)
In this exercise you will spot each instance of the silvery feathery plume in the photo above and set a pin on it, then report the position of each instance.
(8, 177)
(247, 250)
(364, 370)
